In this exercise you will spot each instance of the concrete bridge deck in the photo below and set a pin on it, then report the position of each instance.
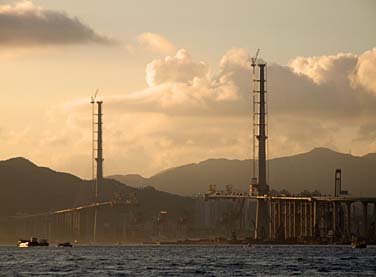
(97, 222)
(293, 217)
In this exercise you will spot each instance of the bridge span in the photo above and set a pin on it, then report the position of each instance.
(311, 218)
(105, 222)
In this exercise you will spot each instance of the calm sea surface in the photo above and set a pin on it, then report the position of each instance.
(188, 261)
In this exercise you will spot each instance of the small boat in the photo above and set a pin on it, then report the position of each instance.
(65, 244)
(32, 242)
(23, 243)
(358, 243)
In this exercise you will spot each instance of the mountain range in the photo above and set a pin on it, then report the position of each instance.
(309, 171)
(27, 188)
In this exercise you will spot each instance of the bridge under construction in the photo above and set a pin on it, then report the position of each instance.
(289, 217)
(286, 218)
(309, 218)
(98, 222)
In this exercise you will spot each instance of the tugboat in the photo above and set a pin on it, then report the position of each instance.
(32, 242)
(356, 243)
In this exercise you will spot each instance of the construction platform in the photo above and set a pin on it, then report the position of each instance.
(303, 218)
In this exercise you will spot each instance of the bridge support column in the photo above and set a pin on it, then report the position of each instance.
(374, 221)
(271, 221)
(279, 216)
(294, 219)
(285, 218)
(301, 219)
(314, 218)
(311, 219)
(275, 229)
(261, 219)
(334, 218)
(365, 219)
(305, 220)
(290, 221)
(348, 221)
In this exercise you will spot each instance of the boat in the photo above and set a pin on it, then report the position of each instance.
(65, 244)
(32, 242)
(358, 243)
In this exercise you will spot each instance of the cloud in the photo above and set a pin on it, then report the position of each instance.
(311, 86)
(320, 87)
(156, 43)
(323, 69)
(178, 69)
(181, 85)
(189, 111)
(365, 73)
(25, 24)
(312, 102)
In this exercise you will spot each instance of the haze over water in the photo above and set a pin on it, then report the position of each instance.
(262, 260)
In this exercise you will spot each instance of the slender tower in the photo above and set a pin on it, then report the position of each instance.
(99, 158)
(261, 136)
(99, 176)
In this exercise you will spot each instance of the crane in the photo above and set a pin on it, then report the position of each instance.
(94, 96)
(254, 59)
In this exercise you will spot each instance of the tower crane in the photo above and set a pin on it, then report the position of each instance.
(254, 59)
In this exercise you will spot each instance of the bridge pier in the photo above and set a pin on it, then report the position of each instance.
(365, 219)
(348, 220)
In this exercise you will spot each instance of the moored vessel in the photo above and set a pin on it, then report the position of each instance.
(65, 244)
(32, 242)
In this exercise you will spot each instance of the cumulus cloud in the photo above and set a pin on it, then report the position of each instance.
(178, 69)
(365, 73)
(181, 85)
(184, 86)
(323, 69)
(189, 112)
(26, 24)
(156, 43)
(320, 87)
(312, 102)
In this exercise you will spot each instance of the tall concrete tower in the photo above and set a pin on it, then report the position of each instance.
(261, 230)
(262, 188)
(99, 158)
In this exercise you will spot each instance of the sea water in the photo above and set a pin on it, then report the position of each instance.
(260, 260)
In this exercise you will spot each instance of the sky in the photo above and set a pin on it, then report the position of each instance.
(175, 79)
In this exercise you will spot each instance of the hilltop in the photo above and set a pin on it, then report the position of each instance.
(310, 171)
(27, 188)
